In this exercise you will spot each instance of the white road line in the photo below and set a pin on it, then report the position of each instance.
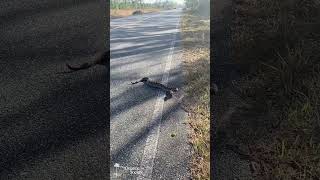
(130, 24)
(150, 149)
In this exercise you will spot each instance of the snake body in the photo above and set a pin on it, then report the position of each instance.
(153, 84)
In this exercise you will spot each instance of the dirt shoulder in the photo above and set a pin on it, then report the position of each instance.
(196, 65)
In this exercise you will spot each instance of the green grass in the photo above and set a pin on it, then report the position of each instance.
(279, 54)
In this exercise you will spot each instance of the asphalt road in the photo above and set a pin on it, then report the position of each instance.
(52, 126)
(141, 123)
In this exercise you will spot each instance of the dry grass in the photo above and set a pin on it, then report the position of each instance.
(277, 43)
(195, 39)
(119, 13)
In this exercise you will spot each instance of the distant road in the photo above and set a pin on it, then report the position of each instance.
(141, 122)
(52, 126)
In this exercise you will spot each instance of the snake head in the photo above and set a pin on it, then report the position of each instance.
(175, 89)
(144, 79)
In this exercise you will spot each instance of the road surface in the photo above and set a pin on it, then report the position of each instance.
(52, 126)
(141, 123)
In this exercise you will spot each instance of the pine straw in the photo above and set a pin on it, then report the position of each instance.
(195, 41)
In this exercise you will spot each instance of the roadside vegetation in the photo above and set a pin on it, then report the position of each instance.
(276, 44)
(123, 8)
(195, 28)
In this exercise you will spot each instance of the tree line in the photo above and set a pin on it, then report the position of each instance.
(140, 4)
(197, 4)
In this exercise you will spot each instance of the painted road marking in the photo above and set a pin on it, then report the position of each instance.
(150, 148)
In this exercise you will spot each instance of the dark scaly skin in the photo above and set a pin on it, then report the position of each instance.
(157, 85)
(101, 59)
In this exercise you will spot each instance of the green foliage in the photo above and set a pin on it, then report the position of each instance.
(191, 3)
(201, 7)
